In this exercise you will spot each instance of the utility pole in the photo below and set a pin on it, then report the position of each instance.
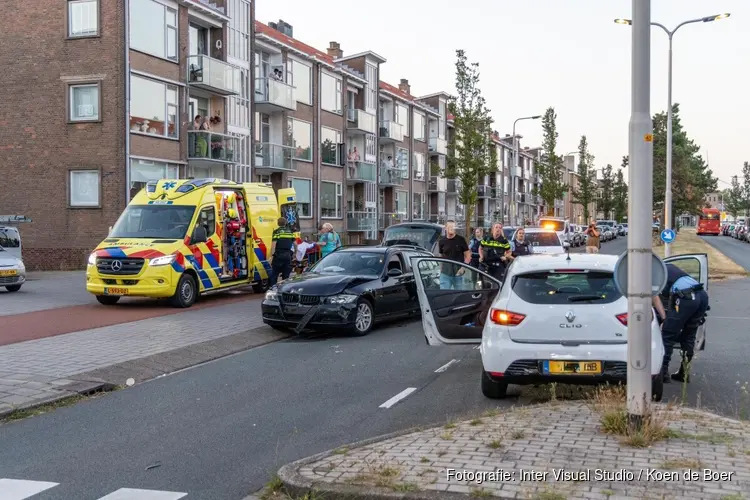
(640, 201)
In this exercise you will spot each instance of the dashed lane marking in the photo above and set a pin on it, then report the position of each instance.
(446, 366)
(398, 397)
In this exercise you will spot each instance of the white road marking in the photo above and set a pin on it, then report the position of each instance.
(398, 397)
(19, 489)
(133, 494)
(446, 366)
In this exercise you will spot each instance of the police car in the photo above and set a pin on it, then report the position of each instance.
(556, 318)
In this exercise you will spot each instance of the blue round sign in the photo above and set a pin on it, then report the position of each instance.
(668, 236)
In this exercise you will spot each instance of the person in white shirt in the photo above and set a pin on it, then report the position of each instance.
(301, 254)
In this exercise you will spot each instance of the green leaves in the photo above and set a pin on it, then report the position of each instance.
(585, 193)
(620, 197)
(606, 203)
(550, 168)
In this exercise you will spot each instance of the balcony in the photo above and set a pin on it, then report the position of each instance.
(358, 172)
(526, 174)
(388, 219)
(271, 158)
(391, 132)
(274, 96)
(209, 148)
(215, 9)
(391, 176)
(483, 191)
(438, 146)
(361, 221)
(437, 184)
(361, 122)
(516, 171)
(213, 75)
(521, 197)
(453, 187)
(537, 178)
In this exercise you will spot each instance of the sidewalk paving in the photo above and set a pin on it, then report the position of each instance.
(44, 370)
(517, 453)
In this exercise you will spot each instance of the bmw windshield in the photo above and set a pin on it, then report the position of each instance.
(421, 236)
(351, 263)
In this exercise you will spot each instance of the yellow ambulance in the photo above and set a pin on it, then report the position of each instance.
(178, 239)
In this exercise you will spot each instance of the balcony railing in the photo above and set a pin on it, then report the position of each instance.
(515, 171)
(273, 96)
(454, 186)
(438, 146)
(206, 146)
(388, 219)
(483, 191)
(358, 171)
(438, 184)
(213, 75)
(361, 221)
(391, 176)
(390, 132)
(275, 157)
(362, 121)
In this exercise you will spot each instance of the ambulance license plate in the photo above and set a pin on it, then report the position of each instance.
(10, 272)
(115, 291)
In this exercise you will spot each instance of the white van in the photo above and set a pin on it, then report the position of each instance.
(561, 226)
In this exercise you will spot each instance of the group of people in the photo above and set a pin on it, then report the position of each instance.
(492, 253)
(288, 254)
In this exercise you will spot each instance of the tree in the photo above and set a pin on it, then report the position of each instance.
(606, 202)
(746, 186)
(471, 152)
(620, 197)
(550, 167)
(585, 193)
(689, 170)
(734, 198)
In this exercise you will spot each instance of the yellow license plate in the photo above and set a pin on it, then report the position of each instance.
(12, 272)
(115, 291)
(574, 367)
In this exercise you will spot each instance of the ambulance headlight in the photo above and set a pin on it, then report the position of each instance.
(162, 261)
(92, 259)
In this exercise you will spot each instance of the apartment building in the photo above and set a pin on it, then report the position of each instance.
(574, 211)
(79, 148)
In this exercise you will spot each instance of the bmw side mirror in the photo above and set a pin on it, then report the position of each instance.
(393, 273)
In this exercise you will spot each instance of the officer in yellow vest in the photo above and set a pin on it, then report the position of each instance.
(494, 252)
(282, 248)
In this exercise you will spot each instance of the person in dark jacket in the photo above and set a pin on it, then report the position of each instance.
(495, 252)
(519, 245)
(474, 244)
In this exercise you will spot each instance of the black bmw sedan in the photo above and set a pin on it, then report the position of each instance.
(350, 289)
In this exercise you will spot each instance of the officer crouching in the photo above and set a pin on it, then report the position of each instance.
(687, 303)
(494, 252)
(282, 248)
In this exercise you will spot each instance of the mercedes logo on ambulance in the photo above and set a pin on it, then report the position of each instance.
(116, 265)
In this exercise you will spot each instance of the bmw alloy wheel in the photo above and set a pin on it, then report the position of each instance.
(363, 321)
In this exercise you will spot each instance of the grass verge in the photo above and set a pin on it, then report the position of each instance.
(719, 265)
(32, 411)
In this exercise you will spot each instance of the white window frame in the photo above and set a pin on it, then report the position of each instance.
(397, 208)
(169, 108)
(403, 168)
(371, 148)
(371, 97)
(422, 205)
(419, 134)
(337, 161)
(97, 8)
(403, 118)
(418, 155)
(239, 34)
(338, 91)
(170, 30)
(291, 61)
(71, 92)
(312, 137)
(339, 200)
(312, 206)
(71, 175)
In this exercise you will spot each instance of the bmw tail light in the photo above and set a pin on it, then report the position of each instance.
(623, 318)
(506, 318)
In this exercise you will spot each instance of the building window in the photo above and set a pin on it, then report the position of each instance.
(83, 18)
(84, 102)
(419, 126)
(402, 117)
(238, 36)
(329, 146)
(418, 201)
(330, 200)
(303, 190)
(84, 189)
(153, 28)
(419, 165)
(144, 171)
(154, 108)
(300, 137)
(402, 202)
(371, 148)
(372, 88)
(301, 80)
(239, 106)
(402, 162)
(330, 93)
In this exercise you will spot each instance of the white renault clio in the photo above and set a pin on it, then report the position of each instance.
(556, 318)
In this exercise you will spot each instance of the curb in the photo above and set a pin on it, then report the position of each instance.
(297, 486)
(79, 388)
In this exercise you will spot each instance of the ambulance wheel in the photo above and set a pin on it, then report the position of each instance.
(186, 292)
(13, 288)
(261, 286)
(108, 300)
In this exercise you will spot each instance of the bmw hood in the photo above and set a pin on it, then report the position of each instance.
(321, 284)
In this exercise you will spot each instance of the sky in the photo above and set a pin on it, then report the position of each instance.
(568, 54)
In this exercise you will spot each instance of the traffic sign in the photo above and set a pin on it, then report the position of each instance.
(658, 274)
(668, 236)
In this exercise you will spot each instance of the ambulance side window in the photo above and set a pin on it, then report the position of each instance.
(207, 219)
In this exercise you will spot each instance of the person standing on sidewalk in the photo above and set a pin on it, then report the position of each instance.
(495, 252)
(453, 246)
(282, 248)
(592, 239)
(474, 244)
(329, 240)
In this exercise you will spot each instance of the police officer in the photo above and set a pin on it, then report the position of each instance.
(520, 245)
(494, 252)
(687, 303)
(474, 243)
(282, 248)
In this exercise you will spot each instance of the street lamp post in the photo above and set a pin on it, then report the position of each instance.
(513, 203)
(668, 187)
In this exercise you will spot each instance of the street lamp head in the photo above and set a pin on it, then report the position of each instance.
(623, 21)
(717, 17)
(536, 117)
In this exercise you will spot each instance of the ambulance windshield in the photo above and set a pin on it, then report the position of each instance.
(154, 221)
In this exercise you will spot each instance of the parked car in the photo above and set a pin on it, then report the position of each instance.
(545, 241)
(624, 229)
(576, 236)
(350, 289)
(12, 271)
(604, 233)
(555, 318)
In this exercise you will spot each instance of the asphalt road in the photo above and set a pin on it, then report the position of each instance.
(220, 430)
(736, 250)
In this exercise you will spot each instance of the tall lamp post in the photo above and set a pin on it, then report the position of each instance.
(514, 204)
(668, 187)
